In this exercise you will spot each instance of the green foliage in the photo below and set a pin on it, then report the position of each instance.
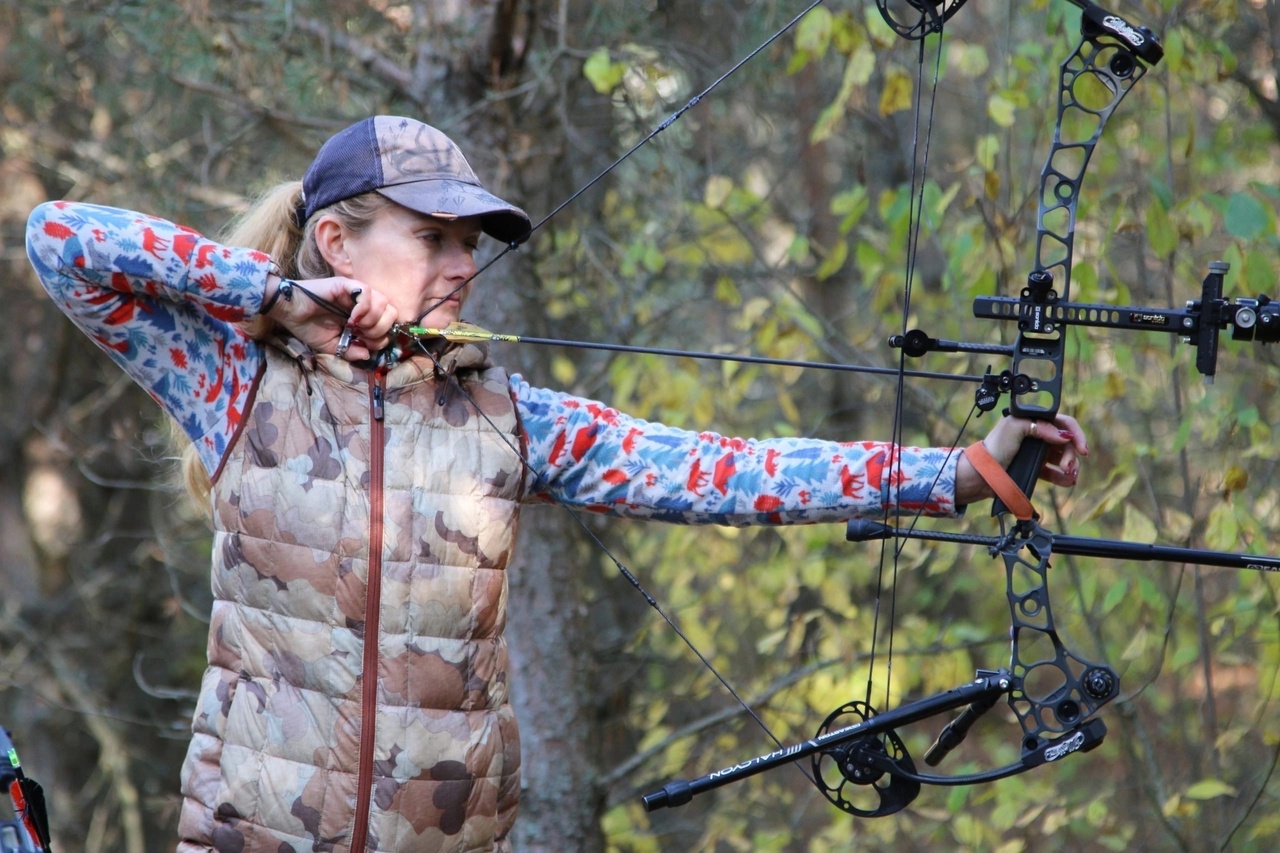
(1170, 187)
(775, 219)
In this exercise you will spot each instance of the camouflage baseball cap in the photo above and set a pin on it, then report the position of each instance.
(414, 165)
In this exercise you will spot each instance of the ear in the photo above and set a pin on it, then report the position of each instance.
(331, 240)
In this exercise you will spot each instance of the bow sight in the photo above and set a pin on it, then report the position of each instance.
(1040, 312)
(1041, 315)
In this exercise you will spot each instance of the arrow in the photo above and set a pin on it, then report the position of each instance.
(458, 332)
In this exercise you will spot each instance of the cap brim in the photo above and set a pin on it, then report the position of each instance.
(452, 199)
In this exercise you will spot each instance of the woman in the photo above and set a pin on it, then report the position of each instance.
(365, 487)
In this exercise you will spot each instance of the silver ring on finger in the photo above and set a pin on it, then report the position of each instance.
(344, 343)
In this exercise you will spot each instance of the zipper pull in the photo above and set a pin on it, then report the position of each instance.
(377, 398)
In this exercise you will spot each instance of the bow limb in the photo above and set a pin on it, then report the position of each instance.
(1092, 82)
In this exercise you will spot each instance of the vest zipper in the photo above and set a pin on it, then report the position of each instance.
(373, 599)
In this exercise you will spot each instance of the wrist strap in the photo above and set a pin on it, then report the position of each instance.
(999, 481)
(285, 289)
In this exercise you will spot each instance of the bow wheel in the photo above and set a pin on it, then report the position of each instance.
(915, 19)
(852, 775)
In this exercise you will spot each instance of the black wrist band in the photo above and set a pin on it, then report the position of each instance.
(285, 289)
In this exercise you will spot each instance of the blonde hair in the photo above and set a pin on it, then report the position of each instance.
(269, 226)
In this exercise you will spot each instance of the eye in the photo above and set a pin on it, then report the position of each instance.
(434, 237)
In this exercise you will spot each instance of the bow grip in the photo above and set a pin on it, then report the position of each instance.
(1024, 470)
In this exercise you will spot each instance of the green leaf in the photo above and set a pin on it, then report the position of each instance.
(1137, 527)
(834, 261)
(970, 59)
(851, 205)
(1161, 190)
(653, 259)
(1115, 595)
(798, 250)
(1260, 271)
(1245, 217)
(1161, 234)
(986, 149)
(603, 73)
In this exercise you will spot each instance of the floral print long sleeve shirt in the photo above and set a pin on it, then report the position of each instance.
(168, 305)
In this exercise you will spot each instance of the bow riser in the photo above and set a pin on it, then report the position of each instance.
(1092, 82)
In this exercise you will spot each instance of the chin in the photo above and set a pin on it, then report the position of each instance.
(440, 318)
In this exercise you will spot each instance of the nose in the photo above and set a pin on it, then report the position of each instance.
(460, 264)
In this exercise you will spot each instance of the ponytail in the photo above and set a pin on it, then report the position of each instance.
(269, 226)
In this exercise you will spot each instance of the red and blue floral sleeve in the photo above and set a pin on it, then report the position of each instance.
(164, 302)
(585, 454)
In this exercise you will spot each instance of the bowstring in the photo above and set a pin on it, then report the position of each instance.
(915, 216)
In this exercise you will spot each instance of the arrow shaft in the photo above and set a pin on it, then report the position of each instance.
(736, 359)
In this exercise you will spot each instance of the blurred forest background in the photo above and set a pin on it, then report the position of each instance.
(771, 219)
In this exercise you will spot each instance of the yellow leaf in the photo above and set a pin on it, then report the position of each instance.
(564, 370)
(1001, 110)
(896, 95)
(1137, 527)
(1115, 385)
(1208, 789)
(789, 408)
(813, 33)
(717, 190)
(833, 262)
(1136, 646)
(991, 184)
(862, 63)
(1176, 525)
(1237, 478)
(1223, 530)
(727, 291)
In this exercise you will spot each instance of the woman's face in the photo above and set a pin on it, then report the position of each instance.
(418, 262)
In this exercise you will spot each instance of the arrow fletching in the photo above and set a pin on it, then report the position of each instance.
(459, 332)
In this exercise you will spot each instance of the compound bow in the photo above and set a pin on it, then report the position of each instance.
(859, 762)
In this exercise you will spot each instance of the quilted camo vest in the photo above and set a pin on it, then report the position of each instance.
(290, 709)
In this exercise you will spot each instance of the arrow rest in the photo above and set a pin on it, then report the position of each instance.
(993, 385)
(850, 774)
